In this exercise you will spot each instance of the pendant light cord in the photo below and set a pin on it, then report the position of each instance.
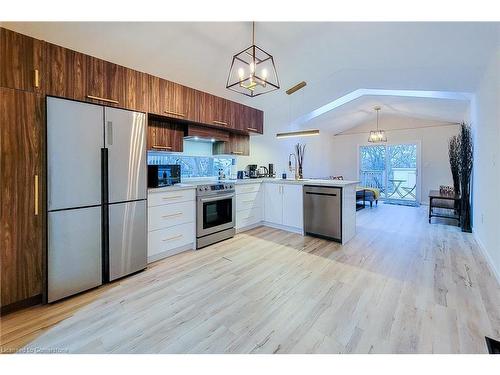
(253, 33)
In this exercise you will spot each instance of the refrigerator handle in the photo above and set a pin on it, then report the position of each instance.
(109, 134)
(104, 175)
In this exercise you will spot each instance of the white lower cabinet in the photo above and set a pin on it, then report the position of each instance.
(168, 241)
(246, 218)
(171, 223)
(273, 203)
(293, 210)
(283, 205)
(249, 205)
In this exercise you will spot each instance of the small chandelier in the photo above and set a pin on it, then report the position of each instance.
(252, 71)
(377, 136)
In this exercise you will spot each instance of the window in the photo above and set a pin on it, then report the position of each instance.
(390, 168)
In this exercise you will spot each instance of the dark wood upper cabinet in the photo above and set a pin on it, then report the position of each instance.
(256, 120)
(66, 72)
(239, 116)
(22, 205)
(215, 111)
(238, 144)
(21, 61)
(106, 83)
(246, 119)
(137, 90)
(170, 99)
(165, 136)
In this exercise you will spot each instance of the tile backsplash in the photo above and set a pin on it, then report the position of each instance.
(194, 166)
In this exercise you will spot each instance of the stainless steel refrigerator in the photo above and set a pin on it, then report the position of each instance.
(96, 195)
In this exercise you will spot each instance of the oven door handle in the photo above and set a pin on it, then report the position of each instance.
(219, 197)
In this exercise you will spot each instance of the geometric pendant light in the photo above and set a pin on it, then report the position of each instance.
(377, 136)
(252, 71)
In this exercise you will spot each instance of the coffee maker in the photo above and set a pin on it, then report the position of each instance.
(270, 170)
(252, 171)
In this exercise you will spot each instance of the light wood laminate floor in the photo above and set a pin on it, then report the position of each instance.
(400, 286)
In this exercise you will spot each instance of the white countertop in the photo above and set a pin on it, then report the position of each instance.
(192, 185)
(336, 183)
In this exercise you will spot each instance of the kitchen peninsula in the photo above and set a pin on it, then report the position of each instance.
(283, 206)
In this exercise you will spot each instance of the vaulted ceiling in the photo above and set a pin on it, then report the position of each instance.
(333, 58)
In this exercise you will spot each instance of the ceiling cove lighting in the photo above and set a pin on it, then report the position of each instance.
(299, 133)
(353, 95)
(252, 71)
(377, 136)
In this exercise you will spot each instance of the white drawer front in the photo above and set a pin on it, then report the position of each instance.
(248, 201)
(160, 217)
(248, 217)
(247, 188)
(164, 240)
(157, 199)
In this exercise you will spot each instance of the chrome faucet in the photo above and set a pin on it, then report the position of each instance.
(294, 168)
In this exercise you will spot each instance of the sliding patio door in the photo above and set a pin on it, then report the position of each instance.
(391, 168)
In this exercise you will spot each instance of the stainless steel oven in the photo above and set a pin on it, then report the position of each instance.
(215, 213)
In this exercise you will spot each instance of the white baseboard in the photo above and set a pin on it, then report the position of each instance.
(168, 253)
(249, 227)
(487, 256)
(283, 227)
(271, 225)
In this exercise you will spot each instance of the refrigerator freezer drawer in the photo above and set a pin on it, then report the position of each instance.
(74, 251)
(127, 238)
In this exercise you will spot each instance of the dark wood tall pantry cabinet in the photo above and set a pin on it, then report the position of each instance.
(22, 206)
(21, 61)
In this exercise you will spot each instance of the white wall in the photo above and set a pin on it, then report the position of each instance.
(266, 148)
(486, 175)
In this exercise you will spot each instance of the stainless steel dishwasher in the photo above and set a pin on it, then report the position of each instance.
(323, 211)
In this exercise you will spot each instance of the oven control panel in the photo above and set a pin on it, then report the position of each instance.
(212, 188)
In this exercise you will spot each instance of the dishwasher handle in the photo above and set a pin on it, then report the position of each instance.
(314, 193)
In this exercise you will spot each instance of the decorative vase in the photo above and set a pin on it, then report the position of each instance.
(300, 173)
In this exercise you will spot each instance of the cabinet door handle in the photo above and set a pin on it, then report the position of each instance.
(36, 195)
(220, 123)
(110, 133)
(173, 238)
(248, 201)
(162, 147)
(37, 78)
(172, 197)
(253, 129)
(172, 215)
(103, 99)
(237, 152)
(175, 113)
